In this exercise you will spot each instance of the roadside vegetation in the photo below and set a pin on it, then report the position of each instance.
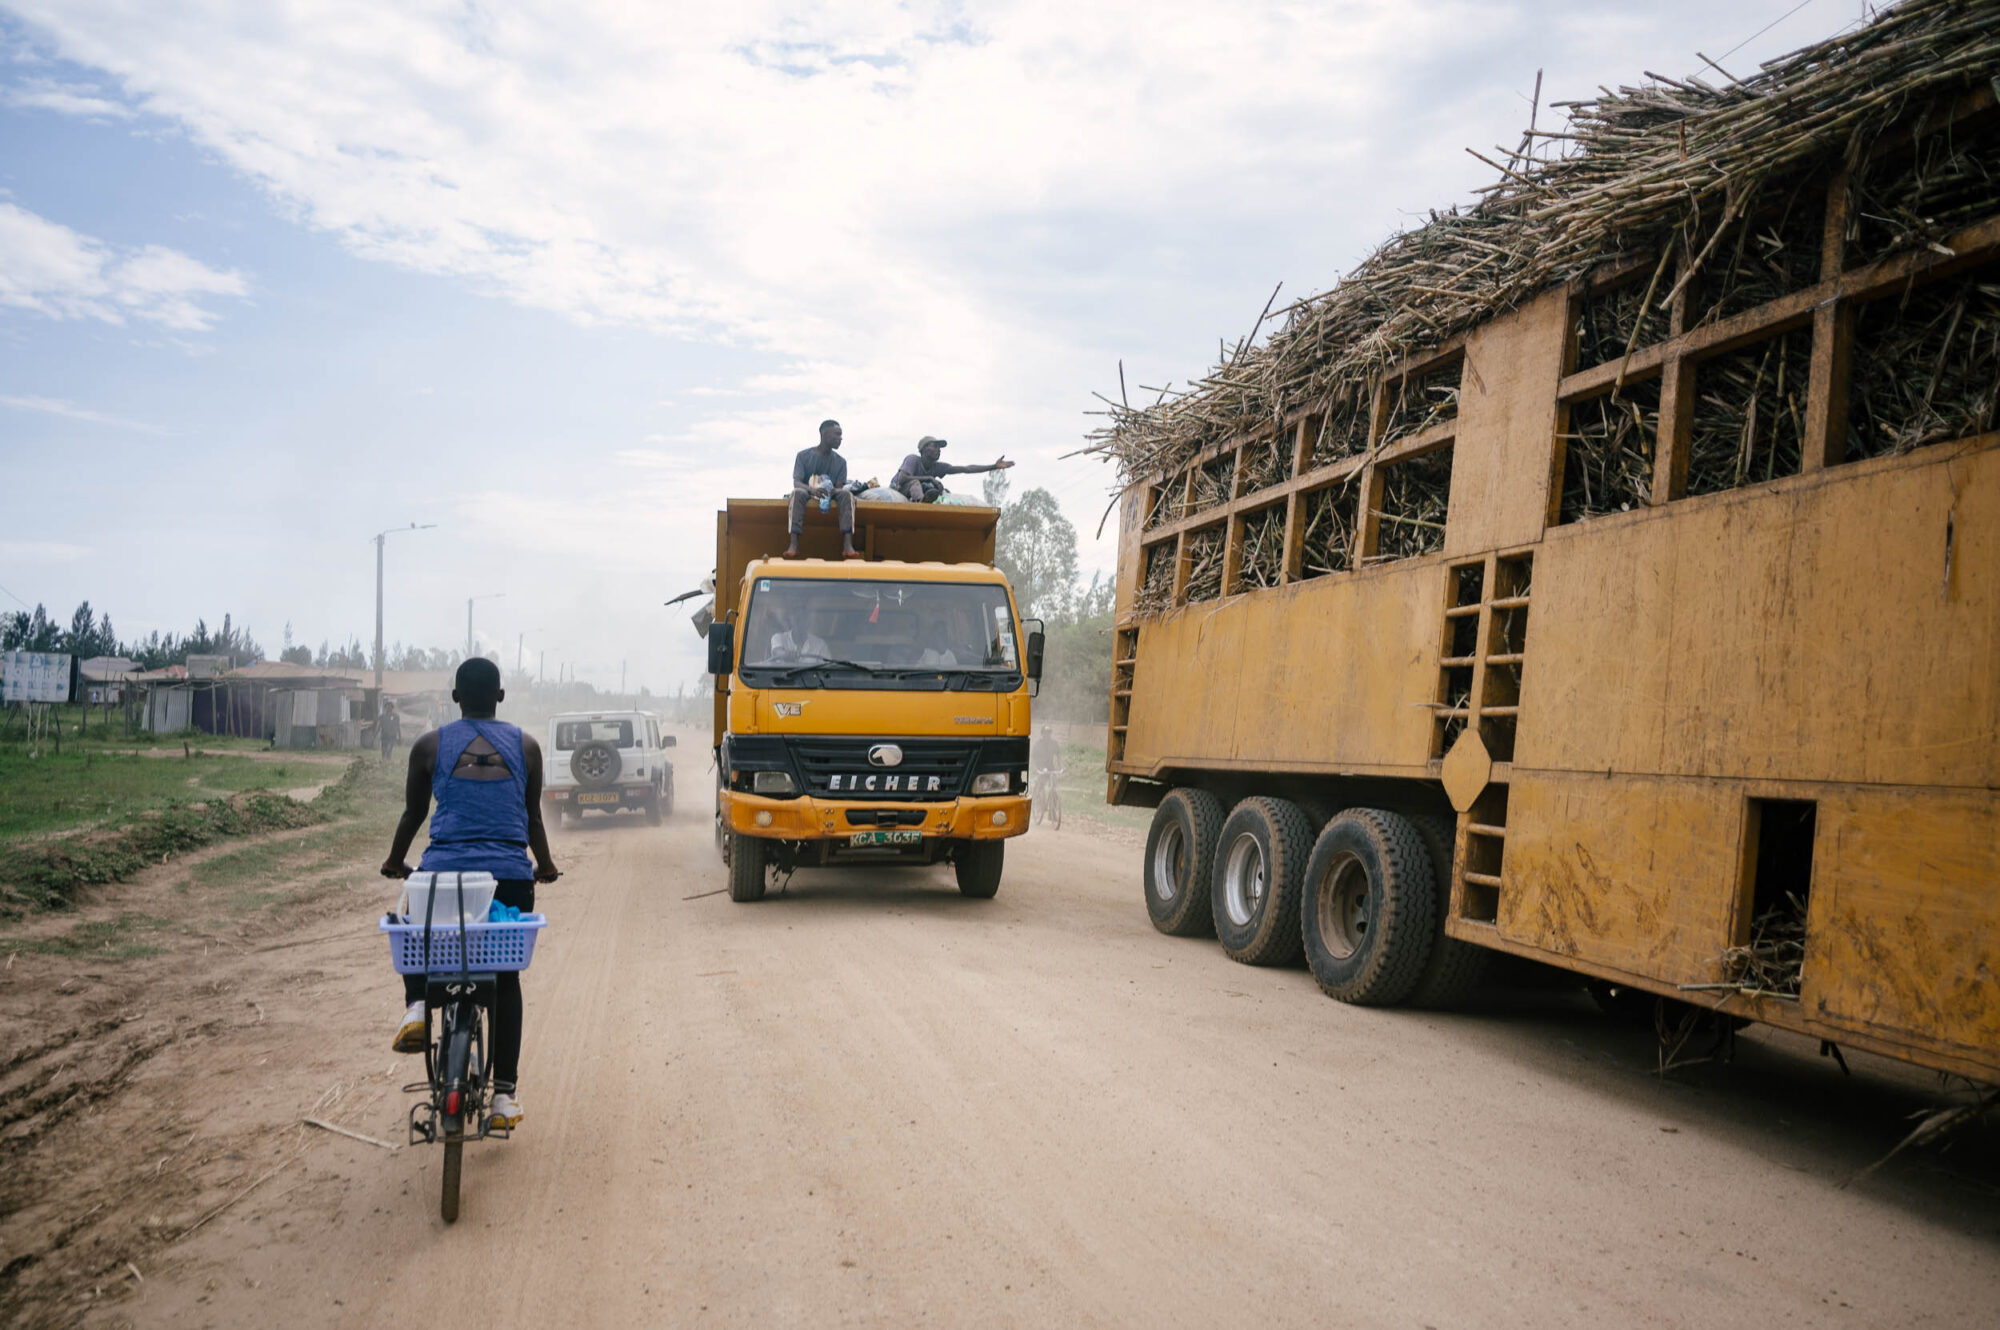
(101, 810)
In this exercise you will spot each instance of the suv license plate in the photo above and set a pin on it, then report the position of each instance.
(886, 838)
(597, 798)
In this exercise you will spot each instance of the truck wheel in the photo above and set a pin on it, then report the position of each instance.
(1180, 854)
(667, 804)
(1454, 967)
(653, 809)
(746, 867)
(978, 863)
(1260, 864)
(1369, 908)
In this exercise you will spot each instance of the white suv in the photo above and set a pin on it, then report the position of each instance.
(607, 760)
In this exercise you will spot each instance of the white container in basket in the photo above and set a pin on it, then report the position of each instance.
(445, 894)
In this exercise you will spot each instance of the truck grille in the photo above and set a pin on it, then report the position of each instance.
(839, 769)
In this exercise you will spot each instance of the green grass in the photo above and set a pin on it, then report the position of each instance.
(84, 787)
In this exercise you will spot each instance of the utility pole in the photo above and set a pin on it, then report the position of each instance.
(381, 538)
(541, 666)
(491, 595)
(621, 679)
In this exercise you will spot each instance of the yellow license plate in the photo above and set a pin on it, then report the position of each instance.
(860, 838)
(597, 798)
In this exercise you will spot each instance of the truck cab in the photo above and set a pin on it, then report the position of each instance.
(872, 711)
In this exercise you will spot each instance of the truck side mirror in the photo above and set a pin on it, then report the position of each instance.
(1035, 641)
(669, 741)
(721, 648)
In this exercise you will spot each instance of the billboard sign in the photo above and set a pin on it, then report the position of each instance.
(34, 676)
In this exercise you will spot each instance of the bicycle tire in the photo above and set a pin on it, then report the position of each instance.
(454, 1160)
(457, 1073)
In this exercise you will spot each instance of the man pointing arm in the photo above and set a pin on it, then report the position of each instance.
(923, 466)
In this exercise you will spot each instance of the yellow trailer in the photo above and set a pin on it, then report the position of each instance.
(1648, 626)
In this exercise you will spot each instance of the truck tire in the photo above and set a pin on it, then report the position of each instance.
(653, 809)
(1369, 908)
(1455, 967)
(595, 764)
(1180, 855)
(667, 798)
(977, 864)
(1258, 879)
(746, 868)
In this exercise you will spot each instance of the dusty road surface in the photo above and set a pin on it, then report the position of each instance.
(871, 1101)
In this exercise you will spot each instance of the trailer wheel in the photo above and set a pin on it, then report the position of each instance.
(1368, 913)
(746, 867)
(1260, 863)
(1454, 967)
(1180, 853)
(977, 863)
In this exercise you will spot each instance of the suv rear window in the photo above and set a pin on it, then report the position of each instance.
(570, 733)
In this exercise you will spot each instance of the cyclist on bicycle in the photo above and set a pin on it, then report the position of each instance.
(1048, 766)
(487, 779)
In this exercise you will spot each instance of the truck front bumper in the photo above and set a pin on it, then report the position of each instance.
(806, 818)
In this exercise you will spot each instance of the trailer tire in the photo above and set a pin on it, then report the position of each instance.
(747, 873)
(1180, 854)
(977, 864)
(1258, 879)
(1368, 913)
(1455, 967)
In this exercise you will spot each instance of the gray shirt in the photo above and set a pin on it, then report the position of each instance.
(812, 462)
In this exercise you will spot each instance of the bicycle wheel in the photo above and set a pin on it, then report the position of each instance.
(1055, 807)
(458, 1037)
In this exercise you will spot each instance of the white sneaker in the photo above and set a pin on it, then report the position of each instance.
(506, 1111)
(414, 1033)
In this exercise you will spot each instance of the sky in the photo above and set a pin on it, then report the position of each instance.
(560, 278)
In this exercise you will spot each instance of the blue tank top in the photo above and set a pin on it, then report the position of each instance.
(479, 826)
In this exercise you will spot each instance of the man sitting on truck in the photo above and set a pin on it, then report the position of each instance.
(918, 478)
(821, 473)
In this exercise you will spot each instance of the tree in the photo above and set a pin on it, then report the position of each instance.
(31, 632)
(1036, 548)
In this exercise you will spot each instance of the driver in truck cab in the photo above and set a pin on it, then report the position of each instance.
(795, 639)
(487, 779)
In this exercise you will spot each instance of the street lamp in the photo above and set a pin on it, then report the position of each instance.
(520, 643)
(381, 537)
(491, 595)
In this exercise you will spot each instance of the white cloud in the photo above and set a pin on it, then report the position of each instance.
(50, 269)
(56, 406)
(78, 99)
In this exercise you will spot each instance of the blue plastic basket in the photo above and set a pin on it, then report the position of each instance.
(489, 946)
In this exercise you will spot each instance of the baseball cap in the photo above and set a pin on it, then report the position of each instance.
(930, 438)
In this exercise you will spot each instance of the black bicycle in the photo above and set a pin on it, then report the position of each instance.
(461, 974)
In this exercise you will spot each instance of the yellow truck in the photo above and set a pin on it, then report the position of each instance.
(1646, 622)
(868, 711)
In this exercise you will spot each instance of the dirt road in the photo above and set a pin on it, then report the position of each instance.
(871, 1101)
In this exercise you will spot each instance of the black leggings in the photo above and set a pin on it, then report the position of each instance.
(506, 1033)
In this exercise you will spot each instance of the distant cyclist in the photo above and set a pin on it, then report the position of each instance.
(1049, 768)
(487, 779)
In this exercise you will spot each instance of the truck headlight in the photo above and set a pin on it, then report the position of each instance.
(773, 782)
(990, 782)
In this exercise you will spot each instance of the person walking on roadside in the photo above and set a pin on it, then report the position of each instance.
(820, 473)
(487, 779)
(388, 729)
(918, 479)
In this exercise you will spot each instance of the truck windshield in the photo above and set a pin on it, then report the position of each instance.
(878, 634)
